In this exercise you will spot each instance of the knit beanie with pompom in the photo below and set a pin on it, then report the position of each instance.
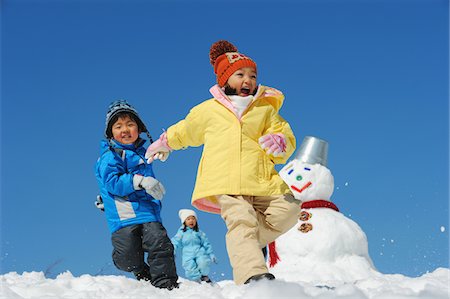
(225, 58)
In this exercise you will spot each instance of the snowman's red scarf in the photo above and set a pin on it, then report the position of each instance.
(318, 203)
(273, 255)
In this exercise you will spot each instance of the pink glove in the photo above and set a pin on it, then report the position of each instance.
(158, 149)
(274, 144)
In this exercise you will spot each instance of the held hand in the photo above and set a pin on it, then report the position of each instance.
(158, 150)
(161, 156)
(151, 185)
(274, 144)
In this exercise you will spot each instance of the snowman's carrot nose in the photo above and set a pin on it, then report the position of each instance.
(303, 188)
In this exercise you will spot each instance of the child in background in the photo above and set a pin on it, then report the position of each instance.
(131, 197)
(197, 253)
(243, 137)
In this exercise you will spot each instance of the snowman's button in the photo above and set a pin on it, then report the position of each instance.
(305, 216)
(305, 227)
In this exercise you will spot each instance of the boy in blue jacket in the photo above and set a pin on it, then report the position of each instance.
(131, 197)
(197, 253)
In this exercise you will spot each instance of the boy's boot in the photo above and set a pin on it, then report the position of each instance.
(144, 274)
(169, 285)
(258, 277)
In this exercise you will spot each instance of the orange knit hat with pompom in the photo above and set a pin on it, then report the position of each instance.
(225, 58)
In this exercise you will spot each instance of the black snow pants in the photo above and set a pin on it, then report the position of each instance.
(131, 242)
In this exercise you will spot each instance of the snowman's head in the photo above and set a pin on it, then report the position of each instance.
(308, 182)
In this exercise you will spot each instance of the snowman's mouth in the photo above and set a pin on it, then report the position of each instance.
(303, 188)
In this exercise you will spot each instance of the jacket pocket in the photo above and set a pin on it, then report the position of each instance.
(202, 171)
(125, 208)
(263, 168)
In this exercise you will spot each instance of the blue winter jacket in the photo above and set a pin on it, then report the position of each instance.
(114, 170)
(192, 243)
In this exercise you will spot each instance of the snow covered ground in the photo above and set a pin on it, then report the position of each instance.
(329, 261)
(34, 285)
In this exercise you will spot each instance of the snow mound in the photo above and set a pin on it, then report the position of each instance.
(335, 249)
(30, 285)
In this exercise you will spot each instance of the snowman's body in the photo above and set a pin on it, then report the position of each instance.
(325, 245)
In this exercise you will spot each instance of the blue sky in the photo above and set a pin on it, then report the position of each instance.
(370, 77)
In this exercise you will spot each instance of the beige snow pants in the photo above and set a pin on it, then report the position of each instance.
(253, 222)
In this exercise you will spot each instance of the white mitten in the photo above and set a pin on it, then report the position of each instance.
(151, 185)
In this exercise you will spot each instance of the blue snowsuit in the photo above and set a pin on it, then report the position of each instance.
(133, 216)
(196, 252)
(125, 206)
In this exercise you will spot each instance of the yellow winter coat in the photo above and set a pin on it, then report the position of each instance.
(232, 161)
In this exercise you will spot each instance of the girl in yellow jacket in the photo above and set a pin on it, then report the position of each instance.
(243, 137)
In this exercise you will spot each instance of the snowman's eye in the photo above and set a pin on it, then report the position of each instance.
(290, 171)
(306, 168)
(299, 178)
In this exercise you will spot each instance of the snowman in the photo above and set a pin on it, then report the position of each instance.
(325, 247)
